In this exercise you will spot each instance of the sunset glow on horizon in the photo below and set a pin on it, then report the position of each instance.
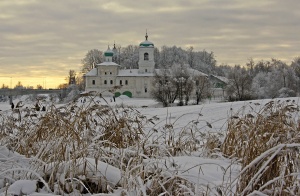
(42, 40)
(33, 82)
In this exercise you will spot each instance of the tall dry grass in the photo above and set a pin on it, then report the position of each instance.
(267, 144)
(61, 142)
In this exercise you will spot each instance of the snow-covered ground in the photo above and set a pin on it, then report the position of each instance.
(210, 116)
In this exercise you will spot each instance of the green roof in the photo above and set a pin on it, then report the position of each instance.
(108, 53)
(146, 43)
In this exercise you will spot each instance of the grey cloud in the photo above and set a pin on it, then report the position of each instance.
(51, 35)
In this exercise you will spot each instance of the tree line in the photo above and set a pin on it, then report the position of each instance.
(19, 85)
(164, 58)
(263, 79)
(254, 80)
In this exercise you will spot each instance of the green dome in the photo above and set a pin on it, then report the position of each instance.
(146, 43)
(108, 52)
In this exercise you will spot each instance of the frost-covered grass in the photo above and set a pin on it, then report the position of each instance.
(130, 147)
(267, 143)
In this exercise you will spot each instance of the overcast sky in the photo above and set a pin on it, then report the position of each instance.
(45, 39)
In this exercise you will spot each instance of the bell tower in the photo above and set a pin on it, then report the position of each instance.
(146, 56)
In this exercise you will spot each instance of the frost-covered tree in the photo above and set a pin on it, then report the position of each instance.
(199, 60)
(292, 80)
(171, 55)
(239, 86)
(183, 82)
(191, 56)
(202, 87)
(173, 84)
(164, 90)
(206, 62)
(275, 83)
(129, 56)
(296, 67)
(259, 85)
(222, 70)
(262, 66)
(274, 79)
(278, 79)
(156, 57)
(91, 58)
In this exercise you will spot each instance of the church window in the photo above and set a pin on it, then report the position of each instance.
(110, 73)
(120, 82)
(146, 70)
(146, 90)
(105, 82)
(111, 82)
(146, 56)
(126, 82)
(105, 73)
(93, 82)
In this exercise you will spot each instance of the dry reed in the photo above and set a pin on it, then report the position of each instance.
(119, 136)
(267, 145)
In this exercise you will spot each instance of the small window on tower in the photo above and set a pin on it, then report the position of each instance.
(120, 82)
(146, 56)
(126, 82)
(146, 70)
(93, 82)
(146, 90)
(105, 82)
(111, 82)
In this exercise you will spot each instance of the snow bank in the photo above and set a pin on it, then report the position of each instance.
(86, 168)
(22, 187)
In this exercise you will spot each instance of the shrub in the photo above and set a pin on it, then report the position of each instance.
(127, 93)
(117, 94)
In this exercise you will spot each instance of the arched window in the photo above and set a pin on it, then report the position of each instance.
(111, 82)
(146, 56)
(105, 82)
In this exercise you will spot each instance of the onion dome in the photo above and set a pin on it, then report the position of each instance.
(146, 43)
(108, 52)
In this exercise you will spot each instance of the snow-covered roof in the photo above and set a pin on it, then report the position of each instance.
(93, 72)
(146, 43)
(133, 72)
(108, 64)
(221, 78)
(194, 72)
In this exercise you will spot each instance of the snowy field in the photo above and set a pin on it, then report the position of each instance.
(202, 168)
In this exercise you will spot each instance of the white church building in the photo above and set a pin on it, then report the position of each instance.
(134, 82)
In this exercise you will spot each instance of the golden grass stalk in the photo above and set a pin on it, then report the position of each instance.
(249, 137)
